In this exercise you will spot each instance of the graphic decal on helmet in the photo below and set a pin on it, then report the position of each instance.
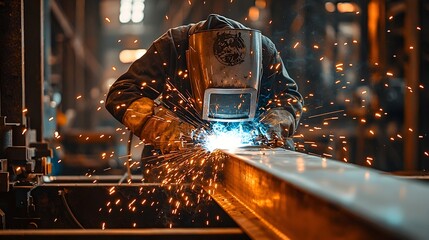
(229, 49)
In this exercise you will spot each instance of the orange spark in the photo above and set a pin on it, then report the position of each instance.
(296, 45)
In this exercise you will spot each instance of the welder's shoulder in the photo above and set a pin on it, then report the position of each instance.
(269, 51)
(174, 36)
(172, 44)
(268, 46)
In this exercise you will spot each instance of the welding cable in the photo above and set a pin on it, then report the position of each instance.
(63, 197)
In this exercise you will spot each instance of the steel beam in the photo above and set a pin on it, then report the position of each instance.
(308, 197)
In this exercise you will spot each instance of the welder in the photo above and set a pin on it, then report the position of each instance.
(216, 70)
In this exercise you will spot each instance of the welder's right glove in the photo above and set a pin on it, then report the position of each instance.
(156, 125)
(280, 125)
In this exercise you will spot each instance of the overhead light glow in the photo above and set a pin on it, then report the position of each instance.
(131, 11)
(347, 7)
(330, 6)
(130, 55)
(254, 13)
(261, 4)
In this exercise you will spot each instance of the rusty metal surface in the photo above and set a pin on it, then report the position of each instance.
(308, 197)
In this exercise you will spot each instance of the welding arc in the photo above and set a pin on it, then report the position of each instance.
(63, 197)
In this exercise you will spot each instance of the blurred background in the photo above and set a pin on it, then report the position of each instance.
(362, 67)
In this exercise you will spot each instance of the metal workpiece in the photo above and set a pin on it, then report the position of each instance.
(309, 197)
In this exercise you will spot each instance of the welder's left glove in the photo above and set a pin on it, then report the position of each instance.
(280, 125)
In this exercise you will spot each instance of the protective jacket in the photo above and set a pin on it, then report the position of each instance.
(162, 74)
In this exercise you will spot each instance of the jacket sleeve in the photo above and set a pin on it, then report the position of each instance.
(144, 78)
(278, 89)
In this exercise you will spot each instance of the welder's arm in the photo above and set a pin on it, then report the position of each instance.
(144, 79)
(281, 100)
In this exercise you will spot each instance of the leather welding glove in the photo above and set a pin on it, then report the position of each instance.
(280, 125)
(166, 131)
(137, 114)
(156, 125)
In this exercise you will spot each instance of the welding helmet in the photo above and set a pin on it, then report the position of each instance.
(225, 69)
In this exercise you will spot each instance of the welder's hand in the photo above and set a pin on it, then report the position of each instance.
(156, 125)
(280, 125)
(138, 113)
(166, 131)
